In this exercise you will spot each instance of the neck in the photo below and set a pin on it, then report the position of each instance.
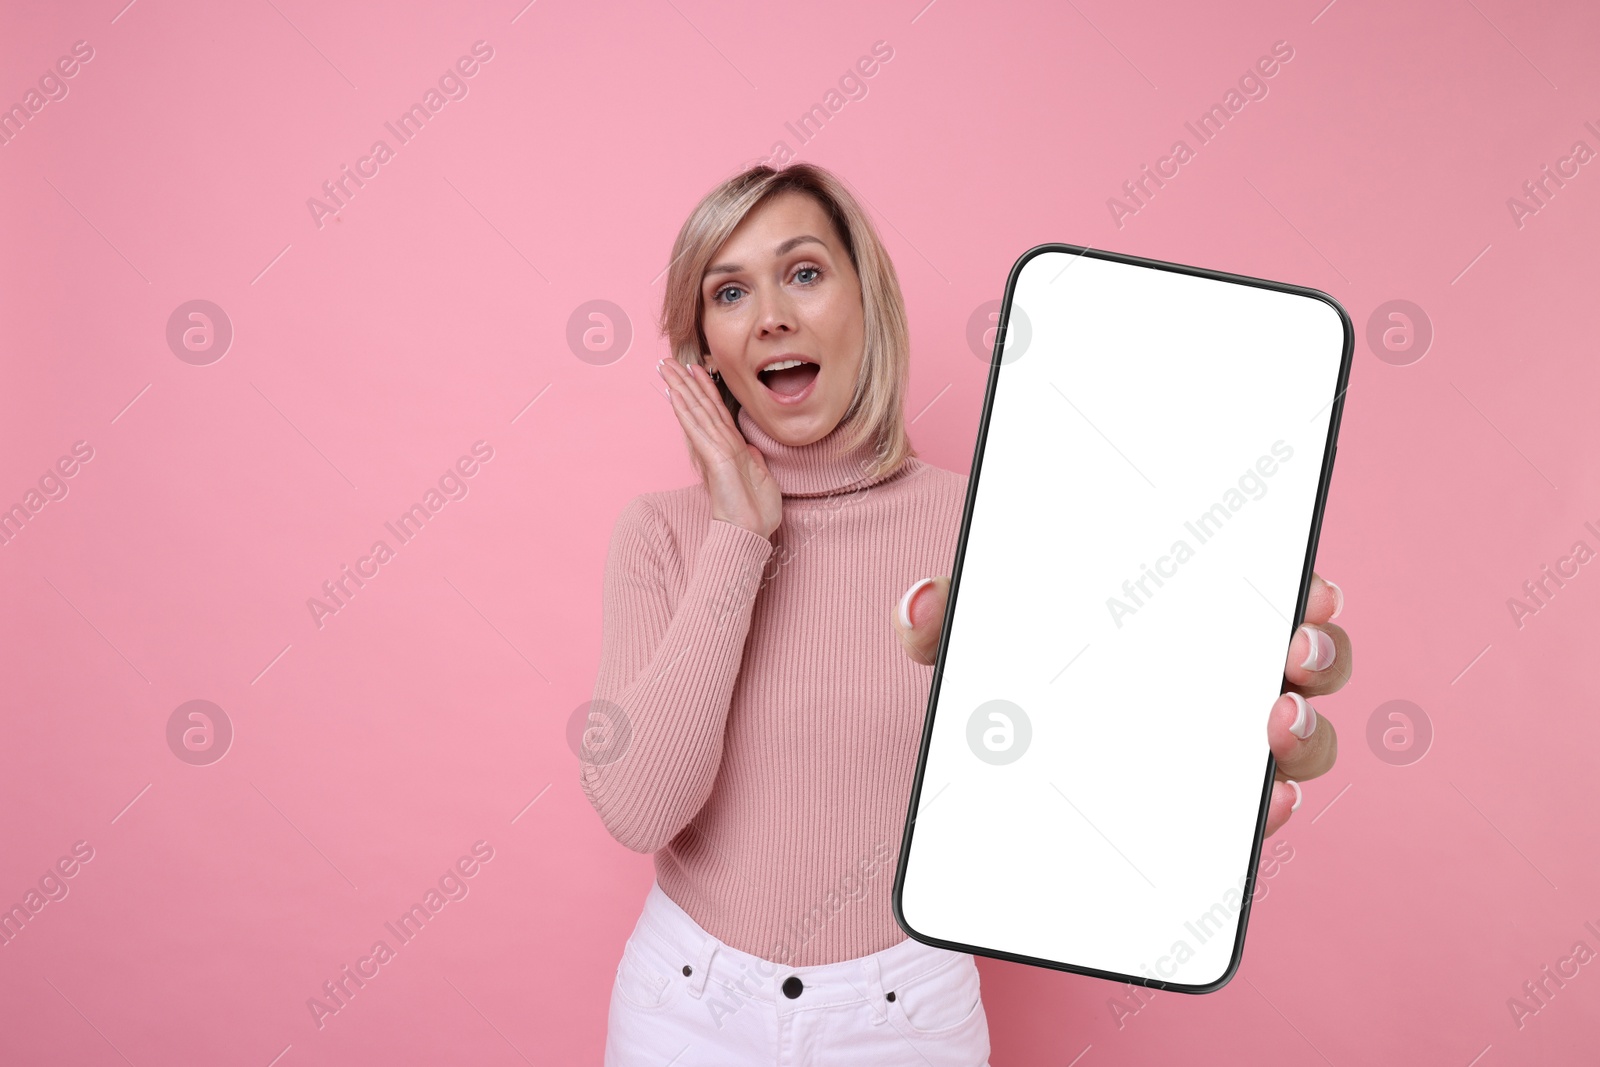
(822, 468)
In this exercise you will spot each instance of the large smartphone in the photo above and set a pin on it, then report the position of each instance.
(1135, 553)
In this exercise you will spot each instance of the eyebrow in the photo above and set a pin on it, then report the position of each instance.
(734, 268)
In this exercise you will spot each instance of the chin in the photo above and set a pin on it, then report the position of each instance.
(798, 427)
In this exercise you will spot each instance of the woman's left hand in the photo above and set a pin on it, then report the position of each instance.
(1302, 740)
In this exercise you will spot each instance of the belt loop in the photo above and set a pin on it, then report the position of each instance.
(701, 966)
(876, 998)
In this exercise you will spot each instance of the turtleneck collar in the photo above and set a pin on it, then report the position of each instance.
(822, 468)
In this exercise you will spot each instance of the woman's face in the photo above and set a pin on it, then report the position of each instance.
(781, 289)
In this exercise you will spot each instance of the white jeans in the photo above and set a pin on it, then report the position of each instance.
(684, 998)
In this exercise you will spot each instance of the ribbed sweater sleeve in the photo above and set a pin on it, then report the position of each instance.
(667, 672)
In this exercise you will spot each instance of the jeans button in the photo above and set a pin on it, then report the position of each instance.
(792, 987)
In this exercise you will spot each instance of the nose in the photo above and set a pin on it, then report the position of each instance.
(775, 315)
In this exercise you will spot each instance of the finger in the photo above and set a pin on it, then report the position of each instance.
(693, 411)
(1286, 799)
(919, 618)
(673, 388)
(1324, 601)
(694, 441)
(713, 398)
(694, 392)
(708, 401)
(1304, 744)
(1319, 659)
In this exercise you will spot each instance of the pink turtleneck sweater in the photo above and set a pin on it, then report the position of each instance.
(765, 717)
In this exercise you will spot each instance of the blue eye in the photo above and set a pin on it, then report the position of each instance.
(716, 297)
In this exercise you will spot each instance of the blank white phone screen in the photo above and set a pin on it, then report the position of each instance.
(1123, 607)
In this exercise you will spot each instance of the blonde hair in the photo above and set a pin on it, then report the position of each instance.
(876, 410)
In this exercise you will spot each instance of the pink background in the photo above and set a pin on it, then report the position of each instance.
(430, 712)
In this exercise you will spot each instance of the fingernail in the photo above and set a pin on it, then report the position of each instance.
(1338, 598)
(1305, 719)
(659, 369)
(1298, 796)
(666, 393)
(905, 601)
(1319, 655)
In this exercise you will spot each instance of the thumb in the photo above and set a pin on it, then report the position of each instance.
(919, 618)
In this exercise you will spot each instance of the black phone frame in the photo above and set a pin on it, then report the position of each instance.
(1329, 452)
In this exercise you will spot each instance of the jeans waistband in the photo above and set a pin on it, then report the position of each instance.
(865, 979)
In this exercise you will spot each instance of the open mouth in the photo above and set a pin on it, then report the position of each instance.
(789, 377)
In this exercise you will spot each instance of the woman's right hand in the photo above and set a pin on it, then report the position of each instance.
(742, 489)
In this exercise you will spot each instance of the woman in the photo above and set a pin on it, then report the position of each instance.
(764, 722)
